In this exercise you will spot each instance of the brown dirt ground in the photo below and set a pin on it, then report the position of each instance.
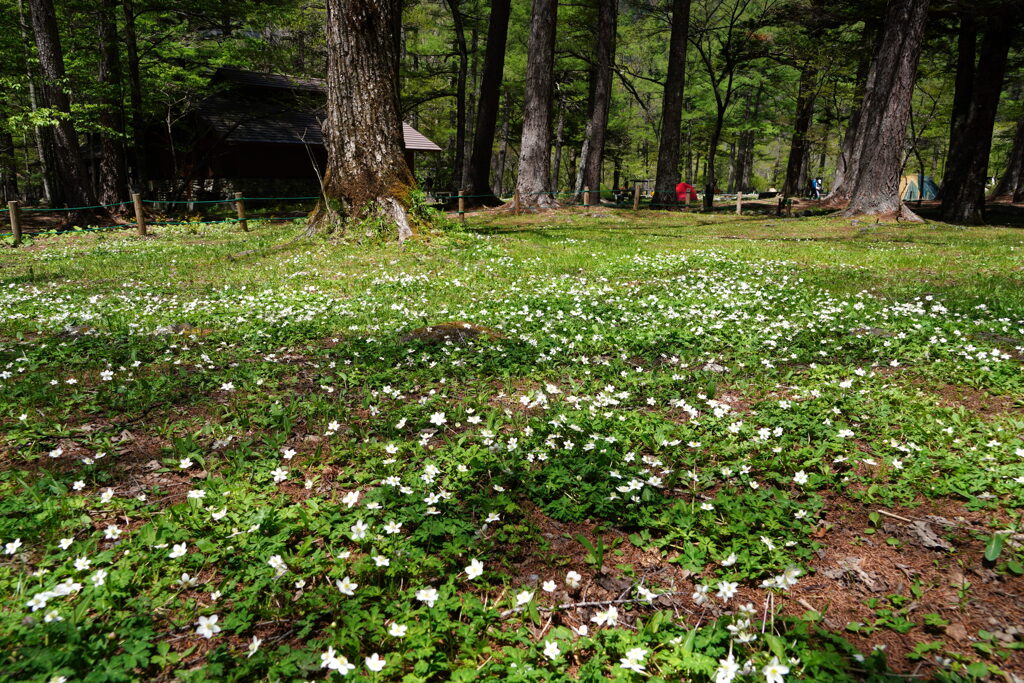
(849, 569)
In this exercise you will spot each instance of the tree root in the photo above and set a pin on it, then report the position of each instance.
(902, 215)
(324, 215)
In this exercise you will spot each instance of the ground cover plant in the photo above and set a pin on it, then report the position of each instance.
(573, 445)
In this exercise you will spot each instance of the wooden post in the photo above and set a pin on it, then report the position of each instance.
(140, 217)
(462, 204)
(12, 208)
(636, 196)
(240, 208)
(739, 203)
(586, 196)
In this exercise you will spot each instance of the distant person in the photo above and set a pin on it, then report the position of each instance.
(685, 191)
(816, 188)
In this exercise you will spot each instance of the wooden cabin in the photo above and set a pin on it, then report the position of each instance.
(254, 131)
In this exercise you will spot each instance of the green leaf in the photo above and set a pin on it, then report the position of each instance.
(994, 547)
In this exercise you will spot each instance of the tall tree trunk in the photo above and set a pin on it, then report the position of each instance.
(460, 93)
(882, 129)
(1014, 164)
(8, 166)
(600, 99)
(138, 147)
(366, 172)
(113, 181)
(842, 184)
(798, 147)
(964, 198)
(688, 161)
(73, 187)
(710, 177)
(667, 176)
(43, 137)
(471, 104)
(533, 183)
(745, 144)
(499, 175)
(556, 166)
(487, 106)
(963, 88)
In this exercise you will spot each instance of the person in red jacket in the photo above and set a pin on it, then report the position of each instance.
(685, 190)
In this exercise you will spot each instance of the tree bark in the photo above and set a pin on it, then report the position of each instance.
(556, 166)
(1014, 165)
(472, 89)
(72, 187)
(963, 87)
(667, 176)
(963, 200)
(600, 99)
(499, 174)
(138, 148)
(487, 106)
(43, 137)
(798, 148)
(113, 181)
(367, 176)
(533, 183)
(745, 144)
(460, 93)
(8, 167)
(710, 177)
(882, 129)
(842, 184)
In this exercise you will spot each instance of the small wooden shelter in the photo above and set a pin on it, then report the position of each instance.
(255, 127)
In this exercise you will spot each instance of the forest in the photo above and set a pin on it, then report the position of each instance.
(727, 95)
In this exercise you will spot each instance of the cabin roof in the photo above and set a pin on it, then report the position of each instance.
(277, 109)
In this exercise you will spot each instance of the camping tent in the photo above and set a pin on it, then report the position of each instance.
(914, 187)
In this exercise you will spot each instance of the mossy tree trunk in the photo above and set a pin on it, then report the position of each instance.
(367, 176)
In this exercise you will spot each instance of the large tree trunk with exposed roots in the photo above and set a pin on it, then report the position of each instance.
(487, 107)
(882, 129)
(367, 176)
(600, 100)
(672, 107)
(533, 185)
(963, 196)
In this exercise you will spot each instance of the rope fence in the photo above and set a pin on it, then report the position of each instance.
(141, 223)
(14, 209)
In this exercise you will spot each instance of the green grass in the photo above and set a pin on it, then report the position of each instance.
(710, 407)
